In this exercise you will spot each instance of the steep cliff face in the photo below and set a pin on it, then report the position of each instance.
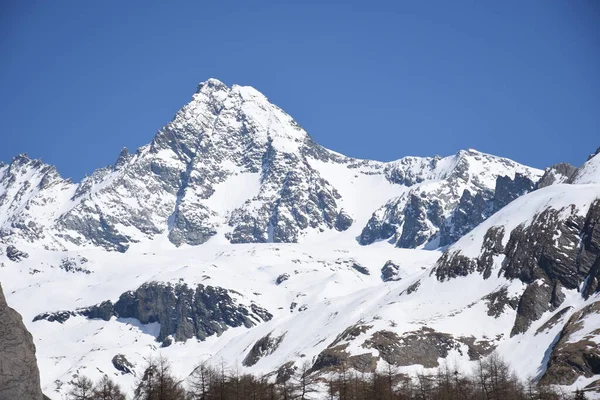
(555, 249)
(548, 240)
(19, 374)
(446, 198)
(234, 166)
(182, 312)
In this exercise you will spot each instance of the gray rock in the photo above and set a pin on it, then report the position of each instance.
(498, 301)
(433, 215)
(423, 347)
(343, 221)
(390, 272)
(359, 268)
(15, 254)
(262, 348)
(570, 359)
(185, 312)
(470, 212)
(74, 265)
(557, 249)
(509, 189)
(419, 213)
(121, 363)
(534, 302)
(282, 278)
(558, 173)
(19, 374)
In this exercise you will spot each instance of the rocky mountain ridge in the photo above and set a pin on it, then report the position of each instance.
(234, 166)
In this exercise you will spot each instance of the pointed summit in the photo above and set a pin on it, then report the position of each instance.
(211, 84)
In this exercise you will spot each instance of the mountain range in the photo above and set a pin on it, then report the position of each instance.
(234, 237)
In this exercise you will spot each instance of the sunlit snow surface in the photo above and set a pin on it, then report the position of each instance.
(335, 295)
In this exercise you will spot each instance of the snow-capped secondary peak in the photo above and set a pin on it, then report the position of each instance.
(588, 172)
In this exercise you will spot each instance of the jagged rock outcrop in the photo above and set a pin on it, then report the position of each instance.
(576, 353)
(508, 189)
(262, 348)
(498, 301)
(183, 312)
(423, 347)
(19, 374)
(446, 198)
(15, 254)
(390, 272)
(558, 173)
(336, 355)
(122, 364)
(470, 211)
(558, 249)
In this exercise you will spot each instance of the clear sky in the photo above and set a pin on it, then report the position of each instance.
(79, 80)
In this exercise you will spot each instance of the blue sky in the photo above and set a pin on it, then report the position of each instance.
(79, 80)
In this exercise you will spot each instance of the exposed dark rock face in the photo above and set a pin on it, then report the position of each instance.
(413, 288)
(509, 189)
(438, 214)
(15, 254)
(19, 374)
(285, 372)
(557, 249)
(470, 212)
(104, 311)
(418, 213)
(534, 302)
(294, 198)
(548, 247)
(335, 355)
(360, 269)
(571, 359)
(56, 316)
(498, 301)
(390, 272)
(182, 312)
(343, 221)
(376, 230)
(121, 363)
(453, 263)
(282, 278)
(589, 258)
(558, 173)
(263, 347)
(422, 347)
(74, 265)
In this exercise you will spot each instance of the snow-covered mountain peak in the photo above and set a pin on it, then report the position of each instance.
(588, 172)
(232, 166)
(210, 84)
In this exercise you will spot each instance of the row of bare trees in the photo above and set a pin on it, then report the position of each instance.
(492, 379)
